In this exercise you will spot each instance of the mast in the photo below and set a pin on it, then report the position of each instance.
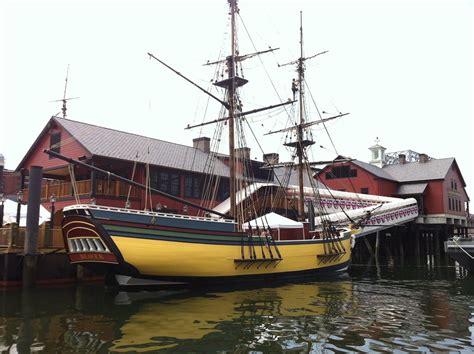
(300, 149)
(301, 142)
(231, 84)
(231, 103)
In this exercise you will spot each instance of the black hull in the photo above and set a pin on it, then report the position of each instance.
(262, 279)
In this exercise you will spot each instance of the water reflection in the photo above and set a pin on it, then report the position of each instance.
(258, 317)
(382, 309)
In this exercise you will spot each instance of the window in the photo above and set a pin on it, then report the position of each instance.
(449, 202)
(455, 185)
(224, 189)
(54, 141)
(364, 190)
(192, 187)
(167, 182)
(341, 172)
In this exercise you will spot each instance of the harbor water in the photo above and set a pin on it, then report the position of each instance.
(375, 307)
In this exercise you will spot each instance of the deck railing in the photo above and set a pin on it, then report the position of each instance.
(104, 188)
(13, 237)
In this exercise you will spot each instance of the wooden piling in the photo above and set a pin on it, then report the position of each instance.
(377, 244)
(32, 221)
(369, 246)
(417, 244)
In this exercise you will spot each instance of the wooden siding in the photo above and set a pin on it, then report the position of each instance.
(453, 188)
(70, 147)
(364, 179)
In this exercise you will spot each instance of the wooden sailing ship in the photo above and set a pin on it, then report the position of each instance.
(142, 247)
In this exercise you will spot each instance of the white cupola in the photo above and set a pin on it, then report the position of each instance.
(378, 154)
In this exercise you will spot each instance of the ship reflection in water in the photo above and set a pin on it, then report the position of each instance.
(363, 313)
(269, 317)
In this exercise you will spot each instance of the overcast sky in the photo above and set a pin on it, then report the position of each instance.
(403, 69)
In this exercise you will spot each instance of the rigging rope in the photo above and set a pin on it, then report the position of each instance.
(74, 184)
(127, 203)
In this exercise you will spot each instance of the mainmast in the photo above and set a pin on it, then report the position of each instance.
(300, 150)
(231, 102)
(231, 84)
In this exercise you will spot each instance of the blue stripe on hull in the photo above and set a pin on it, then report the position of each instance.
(163, 221)
(183, 238)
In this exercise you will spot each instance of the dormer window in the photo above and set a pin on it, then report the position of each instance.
(54, 143)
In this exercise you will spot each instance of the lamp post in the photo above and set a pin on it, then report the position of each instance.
(19, 198)
(2, 201)
(52, 200)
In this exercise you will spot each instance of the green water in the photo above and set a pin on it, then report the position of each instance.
(385, 308)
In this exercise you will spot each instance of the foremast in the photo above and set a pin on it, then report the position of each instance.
(302, 142)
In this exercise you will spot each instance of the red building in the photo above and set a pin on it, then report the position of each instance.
(437, 184)
(9, 181)
(176, 169)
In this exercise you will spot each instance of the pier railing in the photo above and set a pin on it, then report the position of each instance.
(13, 238)
(103, 188)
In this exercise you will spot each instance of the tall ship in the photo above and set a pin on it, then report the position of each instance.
(238, 240)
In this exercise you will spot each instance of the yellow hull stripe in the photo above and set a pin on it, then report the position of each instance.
(179, 259)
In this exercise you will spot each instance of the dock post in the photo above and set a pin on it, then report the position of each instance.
(32, 219)
(400, 245)
(417, 244)
(369, 247)
(377, 244)
(437, 243)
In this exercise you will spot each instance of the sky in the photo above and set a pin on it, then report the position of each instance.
(402, 69)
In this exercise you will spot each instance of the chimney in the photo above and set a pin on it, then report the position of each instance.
(203, 144)
(242, 153)
(271, 159)
(422, 158)
(402, 159)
